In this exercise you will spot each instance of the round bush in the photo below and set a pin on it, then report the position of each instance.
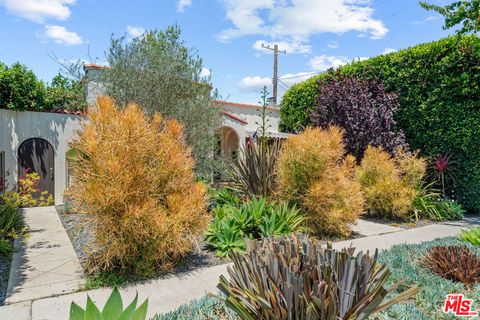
(313, 172)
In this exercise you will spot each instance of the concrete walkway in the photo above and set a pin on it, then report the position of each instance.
(46, 263)
(367, 228)
(167, 294)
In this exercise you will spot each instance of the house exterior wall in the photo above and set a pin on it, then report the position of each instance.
(251, 115)
(57, 129)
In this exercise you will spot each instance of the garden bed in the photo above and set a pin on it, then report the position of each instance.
(80, 230)
(403, 263)
(5, 263)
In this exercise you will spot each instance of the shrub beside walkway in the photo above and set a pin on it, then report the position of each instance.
(168, 294)
(46, 263)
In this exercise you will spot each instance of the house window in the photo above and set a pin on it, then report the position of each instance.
(2, 172)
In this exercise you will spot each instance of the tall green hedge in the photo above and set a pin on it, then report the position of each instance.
(439, 102)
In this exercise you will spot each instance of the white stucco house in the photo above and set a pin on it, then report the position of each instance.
(39, 140)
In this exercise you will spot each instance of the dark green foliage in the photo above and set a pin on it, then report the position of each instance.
(439, 103)
(464, 12)
(21, 90)
(206, 308)
(295, 278)
(450, 210)
(471, 236)
(456, 263)
(428, 204)
(223, 196)
(297, 104)
(113, 309)
(255, 219)
(10, 218)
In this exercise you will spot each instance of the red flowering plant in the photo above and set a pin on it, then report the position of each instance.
(442, 167)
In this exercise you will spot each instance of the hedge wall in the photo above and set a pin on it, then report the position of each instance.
(439, 102)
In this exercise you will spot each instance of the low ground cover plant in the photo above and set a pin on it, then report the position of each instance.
(295, 278)
(134, 176)
(254, 219)
(405, 263)
(113, 309)
(313, 172)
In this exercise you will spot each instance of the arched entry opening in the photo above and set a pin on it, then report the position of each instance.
(37, 155)
(229, 142)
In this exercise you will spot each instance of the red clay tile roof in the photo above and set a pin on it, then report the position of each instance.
(94, 66)
(234, 117)
(243, 105)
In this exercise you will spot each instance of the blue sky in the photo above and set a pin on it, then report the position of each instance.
(317, 34)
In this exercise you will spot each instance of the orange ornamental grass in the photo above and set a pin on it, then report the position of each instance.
(390, 184)
(313, 172)
(134, 175)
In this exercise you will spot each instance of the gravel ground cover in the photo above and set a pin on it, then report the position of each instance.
(80, 229)
(5, 262)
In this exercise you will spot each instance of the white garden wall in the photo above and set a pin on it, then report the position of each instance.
(57, 129)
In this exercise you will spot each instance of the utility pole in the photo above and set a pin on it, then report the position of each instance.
(275, 68)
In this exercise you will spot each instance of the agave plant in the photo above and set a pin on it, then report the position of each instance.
(295, 278)
(457, 263)
(471, 236)
(254, 219)
(113, 309)
(255, 169)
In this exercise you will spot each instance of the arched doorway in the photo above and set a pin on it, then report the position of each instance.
(229, 142)
(37, 154)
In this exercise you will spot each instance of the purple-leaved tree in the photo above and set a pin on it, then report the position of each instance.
(363, 109)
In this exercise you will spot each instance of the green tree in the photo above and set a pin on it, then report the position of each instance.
(465, 13)
(160, 73)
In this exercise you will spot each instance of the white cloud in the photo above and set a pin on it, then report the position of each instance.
(254, 83)
(182, 4)
(299, 19)
(388, 50)
(333, 44)
(290, 47)
(135, 31)
(39, 10)
(427, 19)
(205, 73)
(324, 62)
(60, 35)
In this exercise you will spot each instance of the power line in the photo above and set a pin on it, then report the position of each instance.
(301, 75)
